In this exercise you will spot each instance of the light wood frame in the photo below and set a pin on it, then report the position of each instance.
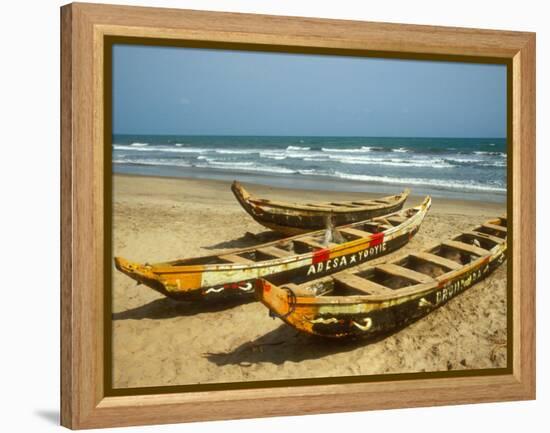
(84, 26)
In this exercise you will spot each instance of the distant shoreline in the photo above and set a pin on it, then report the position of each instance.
(178, 135)
(303, 182)
(469, 169)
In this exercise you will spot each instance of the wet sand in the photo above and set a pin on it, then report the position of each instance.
(159, 342)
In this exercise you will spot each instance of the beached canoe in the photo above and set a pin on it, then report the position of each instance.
(298, 259)
(373, 300)
(296, 218)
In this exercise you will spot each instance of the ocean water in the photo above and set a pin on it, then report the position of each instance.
(466, 168)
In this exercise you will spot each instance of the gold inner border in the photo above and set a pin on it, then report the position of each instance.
(109, 41)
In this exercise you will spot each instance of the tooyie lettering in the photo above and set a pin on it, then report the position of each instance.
(347, 260)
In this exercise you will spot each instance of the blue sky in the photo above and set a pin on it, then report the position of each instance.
(161, 90)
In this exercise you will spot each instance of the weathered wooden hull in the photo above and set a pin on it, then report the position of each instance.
(216, 281)
(298, 219)
(370, 316)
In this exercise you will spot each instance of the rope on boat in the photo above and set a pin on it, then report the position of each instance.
(291, 303)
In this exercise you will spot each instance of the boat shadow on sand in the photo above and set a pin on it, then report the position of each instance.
(166, 308)
(247, 240)
(286, 344)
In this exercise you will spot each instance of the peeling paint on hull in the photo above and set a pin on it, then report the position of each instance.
(377, 314)
(292, 218)
(220, 280)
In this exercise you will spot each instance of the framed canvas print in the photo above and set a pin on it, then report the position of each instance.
(312, 215)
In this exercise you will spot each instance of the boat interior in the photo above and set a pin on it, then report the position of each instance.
(330, 206)
(412, 269)
(303, 244)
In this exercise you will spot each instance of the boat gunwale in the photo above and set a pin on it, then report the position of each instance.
(165, 267)
(296, 208)
(416, 290)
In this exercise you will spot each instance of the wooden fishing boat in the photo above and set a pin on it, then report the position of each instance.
(295, 218)
(299, 258)
(371, 300)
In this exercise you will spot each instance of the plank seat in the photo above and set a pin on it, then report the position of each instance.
(402, 272)
(351, 203)
(396, 219)
(318, 206)
(472, 249)
(495, 227)
(282, 205)
(437, 260)
(366, 203)
(333, 203)
(361, 284)
(321, 205)
(275, 252)
(355, 232)
(485, 236)
(350, 206)
(310, 243)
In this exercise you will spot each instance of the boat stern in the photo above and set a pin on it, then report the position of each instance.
(176, 285)
(426, 204)
(275, 298)
(143, 274)
(405, 195)
(244, 197)
(239, 190)
(421, 210)
(140, 273)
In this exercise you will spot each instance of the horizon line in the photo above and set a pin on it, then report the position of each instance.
(303, 135)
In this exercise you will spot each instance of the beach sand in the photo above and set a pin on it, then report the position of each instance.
(159, 342)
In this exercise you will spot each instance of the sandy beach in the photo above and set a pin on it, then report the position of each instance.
(159, 342)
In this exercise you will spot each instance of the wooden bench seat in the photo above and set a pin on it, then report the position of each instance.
(495, 227)
(472, 249)
(402, 272)
(361, 284)
(275, 252)
(355, 232)
(437, 260)
(482, 235)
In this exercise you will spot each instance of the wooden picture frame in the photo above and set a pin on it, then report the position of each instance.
(85, 27)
